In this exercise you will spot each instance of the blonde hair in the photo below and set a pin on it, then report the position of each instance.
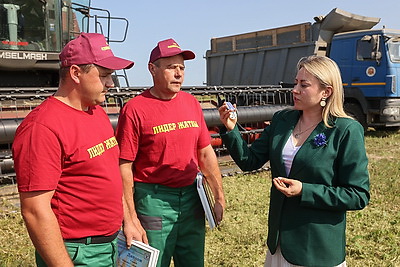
(328, 74)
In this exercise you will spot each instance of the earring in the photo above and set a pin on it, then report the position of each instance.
(323, 102)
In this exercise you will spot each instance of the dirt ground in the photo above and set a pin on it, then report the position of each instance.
(8, 196)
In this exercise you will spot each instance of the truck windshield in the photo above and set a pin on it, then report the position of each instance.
(394, 49)
(30, 25)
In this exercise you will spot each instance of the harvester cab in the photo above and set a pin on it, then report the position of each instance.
(33, 32)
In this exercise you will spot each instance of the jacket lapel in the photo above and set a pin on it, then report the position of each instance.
(309, 151)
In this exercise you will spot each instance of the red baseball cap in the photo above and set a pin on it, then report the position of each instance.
(169, 48)
(91, 48)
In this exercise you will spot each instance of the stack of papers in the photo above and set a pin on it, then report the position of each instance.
(207, 199)
(139, 255)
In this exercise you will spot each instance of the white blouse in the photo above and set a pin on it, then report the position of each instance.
(288, 153)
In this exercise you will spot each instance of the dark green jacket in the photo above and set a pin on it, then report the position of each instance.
(310, 228)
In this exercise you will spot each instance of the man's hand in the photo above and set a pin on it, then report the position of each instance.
(219, 211)
(209, 167)
(134, 231)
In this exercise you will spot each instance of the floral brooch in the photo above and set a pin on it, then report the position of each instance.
(320, 140)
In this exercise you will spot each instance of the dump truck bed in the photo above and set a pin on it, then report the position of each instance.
(270, 56)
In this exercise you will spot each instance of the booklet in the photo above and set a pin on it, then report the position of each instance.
(207, 199)
(139, 255)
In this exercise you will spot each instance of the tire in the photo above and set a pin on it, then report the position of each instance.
(355, 111)
(389, 129)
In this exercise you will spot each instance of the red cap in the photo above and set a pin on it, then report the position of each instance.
(92, 48)
(169, 48)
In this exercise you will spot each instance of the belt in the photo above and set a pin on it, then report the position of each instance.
(93, 239)
(163, 188)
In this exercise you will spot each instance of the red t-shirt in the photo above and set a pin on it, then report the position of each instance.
(75, 153)
(162, 138)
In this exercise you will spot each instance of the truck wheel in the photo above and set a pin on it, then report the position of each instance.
(355, 111)
(389, 129)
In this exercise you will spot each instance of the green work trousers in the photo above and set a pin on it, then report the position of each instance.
(174, 222)
(88, 255)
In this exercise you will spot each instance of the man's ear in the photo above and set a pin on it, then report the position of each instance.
(75, 73)
(152, 68)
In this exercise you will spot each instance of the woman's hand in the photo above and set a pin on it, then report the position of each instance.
(224, 114)
(288, 187)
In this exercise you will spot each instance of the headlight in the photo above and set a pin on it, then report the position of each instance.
(391, 111)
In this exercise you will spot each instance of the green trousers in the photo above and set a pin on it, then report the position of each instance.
(174, 222)
(91, 255)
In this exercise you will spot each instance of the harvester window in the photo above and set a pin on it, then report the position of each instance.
(3, 23)
(29, 25)
(34, 27)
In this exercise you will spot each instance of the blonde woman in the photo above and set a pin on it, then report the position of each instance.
(318, 164)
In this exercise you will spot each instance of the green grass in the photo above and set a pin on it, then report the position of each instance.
(16, 248)
(373, 234)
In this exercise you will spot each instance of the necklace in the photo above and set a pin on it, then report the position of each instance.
(296, 135)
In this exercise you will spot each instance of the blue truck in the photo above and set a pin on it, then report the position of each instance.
(369, 60)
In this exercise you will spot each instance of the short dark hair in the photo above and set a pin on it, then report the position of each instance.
(85, 68)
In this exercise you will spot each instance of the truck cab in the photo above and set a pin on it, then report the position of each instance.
(370, 65)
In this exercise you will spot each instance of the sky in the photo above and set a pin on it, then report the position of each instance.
(192, 24)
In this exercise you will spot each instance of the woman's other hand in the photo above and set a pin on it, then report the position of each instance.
(288, 187)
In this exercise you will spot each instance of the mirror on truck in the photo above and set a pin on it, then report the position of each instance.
(376, 53)
(368, 48)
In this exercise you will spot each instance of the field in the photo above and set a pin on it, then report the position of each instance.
(373, 234)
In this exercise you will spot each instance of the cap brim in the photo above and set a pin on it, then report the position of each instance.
(115, 63)
(187, 55)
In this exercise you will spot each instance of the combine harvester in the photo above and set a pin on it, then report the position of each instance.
(32, 34)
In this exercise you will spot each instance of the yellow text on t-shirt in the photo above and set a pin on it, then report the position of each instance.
(99, 149)
(169, 127)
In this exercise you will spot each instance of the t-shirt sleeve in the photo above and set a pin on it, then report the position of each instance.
(37, 158)
(127, 134)
(205, 138)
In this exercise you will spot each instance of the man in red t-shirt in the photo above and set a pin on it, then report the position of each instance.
(66, 161)
(164, 142)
